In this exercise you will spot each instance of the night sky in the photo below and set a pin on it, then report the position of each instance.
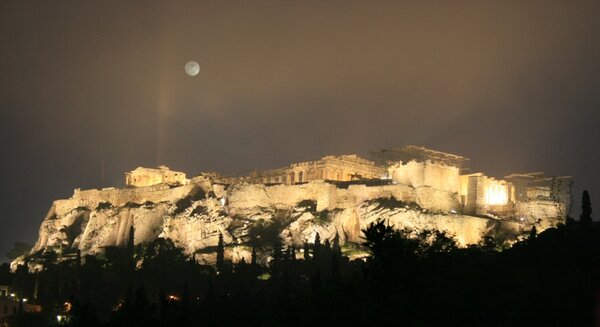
(515, 86)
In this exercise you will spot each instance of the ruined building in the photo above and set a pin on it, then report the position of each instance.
(152, 176)
(517, 196)
(410, 187)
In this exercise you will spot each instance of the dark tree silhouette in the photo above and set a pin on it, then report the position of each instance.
(337, 250)
(277, 258)
(306, 251)
(419, 278)
(533, 233)
(220, 253)
(253, 258)
(586, 208)
(376, 235)
(129, 254)
(317, 246)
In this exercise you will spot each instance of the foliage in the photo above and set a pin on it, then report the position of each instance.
(103, 206)
(393, 203)
(264, 234)
(322, 217)
(196, 194)
(309, 205)
(182, 204)
(132, 205)
(220, 253)
(200, 210)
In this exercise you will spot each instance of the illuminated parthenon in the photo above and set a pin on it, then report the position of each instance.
(335, 168)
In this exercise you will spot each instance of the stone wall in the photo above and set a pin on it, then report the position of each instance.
(426, 174)
(329, 197)
(542, 213)
(94, 219)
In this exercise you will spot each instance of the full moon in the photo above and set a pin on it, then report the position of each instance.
(192, 68)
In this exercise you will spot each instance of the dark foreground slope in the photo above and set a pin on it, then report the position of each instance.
(414, 280)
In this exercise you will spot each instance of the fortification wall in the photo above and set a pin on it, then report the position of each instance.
(426, 174)
(119, 197)
(328, 196)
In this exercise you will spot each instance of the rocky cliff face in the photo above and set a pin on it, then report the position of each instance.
(195, 214)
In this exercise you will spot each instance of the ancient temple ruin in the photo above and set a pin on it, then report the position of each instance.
(336, 168)
(517, 196)
(153, 176)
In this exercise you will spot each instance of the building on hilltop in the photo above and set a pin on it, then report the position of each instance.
(442, 176)
(535, 194)
(336, 168)
(408, 153)
(141, 177)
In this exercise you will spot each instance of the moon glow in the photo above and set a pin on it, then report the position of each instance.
(192, 68)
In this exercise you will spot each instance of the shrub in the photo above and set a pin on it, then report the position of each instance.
(132, 205)
(311, 205)
(393, 203)
(103, 206)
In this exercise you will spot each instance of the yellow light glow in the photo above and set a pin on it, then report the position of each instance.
(496, 194)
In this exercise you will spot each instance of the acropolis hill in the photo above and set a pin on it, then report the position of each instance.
(412, 187)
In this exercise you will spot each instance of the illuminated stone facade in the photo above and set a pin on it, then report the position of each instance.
(141, 177)
(335, 168)
(438, 174)
(425, 174)
(408, 153)
(437, 177)
(483, 195)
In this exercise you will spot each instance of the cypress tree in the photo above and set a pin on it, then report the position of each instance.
(220, 253)
(306, 251)
(129, 260)
(337, 250)
(317, 246)
(277, 259)
(586, 208)
(253, 259)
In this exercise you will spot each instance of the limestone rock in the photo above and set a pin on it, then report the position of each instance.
(193, 215)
